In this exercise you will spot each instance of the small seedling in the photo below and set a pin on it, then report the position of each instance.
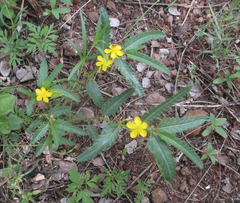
(57, 11)
(143, 188)
(215, 123)
(229, 77)
(123, 153)
(210, 152)
(114, 181)
(79, 186)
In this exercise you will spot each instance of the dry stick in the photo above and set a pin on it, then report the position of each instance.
(165, 4)
(145, 170)
(198, 184)
(73, 15)
(188, 12)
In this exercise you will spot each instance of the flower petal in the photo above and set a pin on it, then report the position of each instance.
(117, 47)
(45, 99)
(144, 125)
(99, 63)
(131, 125)
(119, 53)
(138, 121)
(143, 133)
(39, 98)
(99, 58)
(48, 94)
(114, 55)
(107, 51)
(134, 134)
(38, 91)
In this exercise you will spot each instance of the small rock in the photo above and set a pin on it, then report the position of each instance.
(114, 22)
(131, 146)
(185, 171)
(145, 200)
(65, 166)
(169, 39)
(93, 15)
(169, 87)
(38, 177)
(111, 5)
(150, 73)
(157, 75)
(163, 52)
(27, 77)
(38, 185)
(155, 98)
(5, 68)
(228, 187)
(195, 131)
(155, 44)
(172, 53)
(105, 200)
(159, 196)
(173, 11)
(141, 67)
(98, 161)
(166, 77)
(146, 83)
(69, 50)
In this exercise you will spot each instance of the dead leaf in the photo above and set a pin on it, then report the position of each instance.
(98, 161)
(111, 5)
(93, 16)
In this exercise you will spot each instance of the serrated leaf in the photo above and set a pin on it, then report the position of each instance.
(182, 146)
(148, 60)
(163, 156)
(177, 125)
(111, 105)
(55, 134)
(137, 40)
(104, 39)
(126, 70)
(33, 125)
(59, 111)
(94, 92)
(43, 73)
(157, 111)
(42, 146)
(52, 76)
(92, 132)
(66, 126)
(66, 141)
(27, 92)
(6, 103)
(108, 136)
(30, 106)
(65, 91)
(40, 132)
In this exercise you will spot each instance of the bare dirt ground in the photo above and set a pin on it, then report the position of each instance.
(215, 183)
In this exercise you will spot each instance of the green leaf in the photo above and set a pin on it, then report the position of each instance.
(62, 10)
(177, 125)
(63, 140)
(207, 131)
(137, 40)
(220, 131)
(126, 70)
(220, 121)
(157, 111)
(183, 147)
(94, 92)
(111, 105)
(13, 122)
(42, 146)
(55, 13)
(148, 60)
(108, 136)
(104, 39)
(66, 126)
(52, 76)
(55, 134)
(8, 12)
(43, 73)
(74, 175)
(67, 2)
(218, 81)
(27, 92)
(30, 106)
(6, 103)
(40, 132)
(84, 35)
(65, 91)
(76, 67)
(92, 132)
(53, 3)
(59, 111)
(34, 125)
(163, 156)
(76, 48)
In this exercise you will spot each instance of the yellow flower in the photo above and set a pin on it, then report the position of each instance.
(103, 63)
(43, 94)
(114, 51)
(137, 127)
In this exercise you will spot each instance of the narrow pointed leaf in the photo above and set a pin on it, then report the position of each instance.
(52, 76)
(30, 106)
(92, 132)
(177, 125)
(137, 40)
(75, 47)
(27, 92)
(157, 111)
(55, 134)
(127, 71)
(66, 126)
(94, 92)
(108, 136)
(34, 125)
(65, 91)
(220, 131)
(43, 73)
(42, 146)
(148, 60)
(163, 156)
(76, 67)
(183, 147)
(59, 111)
(111, 105)
(84, 35)
(40, 132)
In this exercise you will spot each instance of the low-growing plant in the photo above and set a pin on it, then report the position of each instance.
(79, 186)
(229, 77)
(215, 123)
(143, 188)
(57, 11)
(114, 181)
(7, 11)
(210, 152)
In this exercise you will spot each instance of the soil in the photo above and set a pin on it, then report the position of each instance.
(219, 183)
